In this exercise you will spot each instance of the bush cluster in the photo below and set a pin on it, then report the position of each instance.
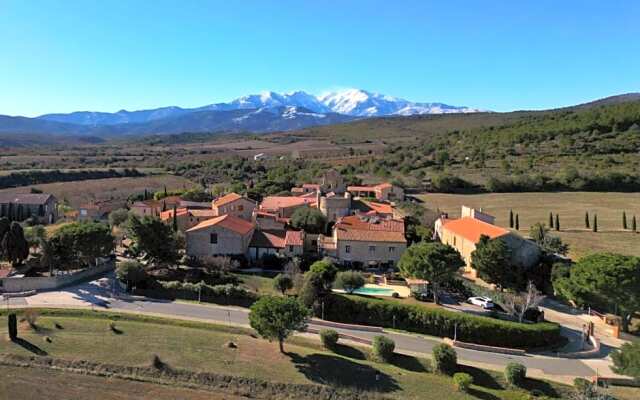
(445, 359)
(515, 374)
(439, 322)
(463, 381)
(219, 294)
(383, 348)
(329, 338)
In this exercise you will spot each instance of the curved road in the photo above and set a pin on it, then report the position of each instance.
(97, 294)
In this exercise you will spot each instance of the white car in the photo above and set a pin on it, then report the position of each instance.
(483, 302)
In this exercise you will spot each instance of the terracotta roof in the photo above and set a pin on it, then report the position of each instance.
(471, 228)
(24, 198)
(267, 239)
(202, 213)
(294, 238)
(370, 229)
(361, 235)
(370, 188)
(371, 223)
(297, 190)
(380, 208)
(274, 203)
(147, 204)
(226, 221)
(227, 198)
(166, 215)
(311, 186)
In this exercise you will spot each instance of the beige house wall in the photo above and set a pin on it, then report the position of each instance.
(229, 242)
(241, 208)
(359, 251)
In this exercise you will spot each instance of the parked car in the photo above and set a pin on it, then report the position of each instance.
(481, 301)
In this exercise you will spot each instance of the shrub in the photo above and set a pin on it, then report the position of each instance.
(439, 322)
(445, 359)
(329, 338)
(515, 374)
(31, 316)
(584, 388)
(383, 348)
(219, 294)
(282, 283)
(349, 281)
(131, 272)
(463, 381)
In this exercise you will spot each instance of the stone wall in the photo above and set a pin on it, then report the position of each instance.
(14, 284)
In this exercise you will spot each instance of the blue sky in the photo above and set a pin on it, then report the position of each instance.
(61, 56)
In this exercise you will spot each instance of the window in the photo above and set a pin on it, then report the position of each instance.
(240, 207)
(291, 248)
(372, 249)
(392, 249)
(454, 240)
(213, 238)
(347, 249)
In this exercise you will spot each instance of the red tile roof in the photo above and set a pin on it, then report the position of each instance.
(369, 188)
(371, 229)
(228, 198)
(226, 221)
(471, 228)
(274, 203)
(267, 239)
(380, 208)
(167, 215)
(294, 238)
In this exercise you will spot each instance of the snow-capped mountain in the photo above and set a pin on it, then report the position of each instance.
(356, 102)
(351, 102)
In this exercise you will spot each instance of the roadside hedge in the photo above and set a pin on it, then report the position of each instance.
(218, 294)
(439, 322)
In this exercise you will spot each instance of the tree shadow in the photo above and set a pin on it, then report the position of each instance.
(543, 387)
(337, 371)
(30, 347)
(481, 377)
(410, 363)
(482, 395)
(349, 352)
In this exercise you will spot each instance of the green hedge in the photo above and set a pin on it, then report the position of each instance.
(219, 294)
(439, 322)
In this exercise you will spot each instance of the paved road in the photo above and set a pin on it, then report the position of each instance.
(98, 295)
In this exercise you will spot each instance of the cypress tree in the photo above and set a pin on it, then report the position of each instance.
(165, 190)
(146, 195)
(164, 206)
(517, 222)
(634, 227)
(624, 220)
(595, 222)
(550, 220)
(510, 218)
(586, 219)
(175, 219)
(557, 222)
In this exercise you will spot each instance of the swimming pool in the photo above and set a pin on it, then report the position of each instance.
(374, 291)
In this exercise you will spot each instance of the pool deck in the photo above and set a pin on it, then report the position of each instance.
(403, 291)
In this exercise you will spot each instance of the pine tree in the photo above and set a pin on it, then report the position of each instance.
(557, 222)
(586, 219)
(510, 218)
(550, 220)
(175, 219)
(517, 222)
(624, 220)
(595, 222)
(634, 227)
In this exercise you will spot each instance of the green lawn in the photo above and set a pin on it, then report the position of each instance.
(257, 283)
(571, 207)
(201, 347)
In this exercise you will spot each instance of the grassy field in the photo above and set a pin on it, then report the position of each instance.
(32, 383)
(202, 347)
(78, 192)
(571, 207)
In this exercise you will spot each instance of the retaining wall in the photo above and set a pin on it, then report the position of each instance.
(26, 284)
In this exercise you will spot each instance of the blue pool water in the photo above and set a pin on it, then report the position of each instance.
(374, 291)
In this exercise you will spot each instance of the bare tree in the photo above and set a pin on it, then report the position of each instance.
(517, 304)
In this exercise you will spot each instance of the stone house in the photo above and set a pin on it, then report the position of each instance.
(381, 192)
(224, 235)
(464, 233)
(364, 240)
(42, 207)
(234, 204)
